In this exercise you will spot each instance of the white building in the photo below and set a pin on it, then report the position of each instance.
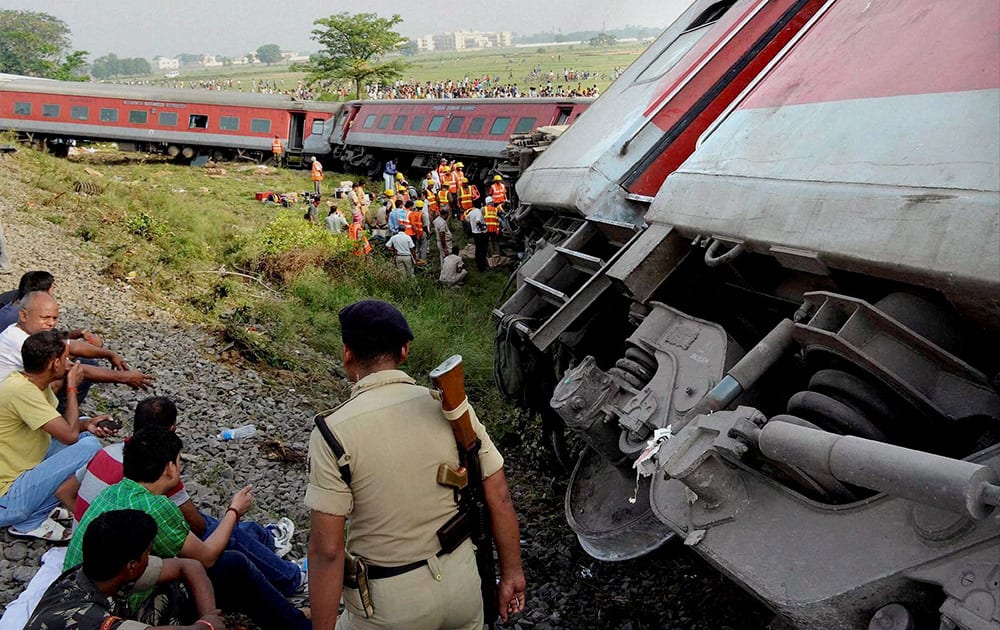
(463, 40)
(163, 63)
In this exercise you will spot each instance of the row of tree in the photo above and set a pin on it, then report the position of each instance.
(111, 66)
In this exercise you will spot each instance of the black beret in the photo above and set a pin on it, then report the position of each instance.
(373, 319)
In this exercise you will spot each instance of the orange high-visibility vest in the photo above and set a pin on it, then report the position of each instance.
(317, 171)
(276, 147)
(442, 196)
(358, 234)
(492, 219)
(499, 193)
(449, 181)
(465, 197)
(432, 203)
(415, 225)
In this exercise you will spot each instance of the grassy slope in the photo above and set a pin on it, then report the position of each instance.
(170, 229)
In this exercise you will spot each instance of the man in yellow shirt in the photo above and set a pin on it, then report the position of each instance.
(36, 473)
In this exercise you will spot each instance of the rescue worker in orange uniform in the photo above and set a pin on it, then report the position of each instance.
(491, 217)
(498, 191)
(467, 194)
(278, 151)
(414, 226)
(443, 199)
(357, 234)
(449, 182)
(430, 198)
(317, 174)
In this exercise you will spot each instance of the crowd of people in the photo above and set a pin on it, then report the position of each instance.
(408, 218)
(481, 87)
(140, 550)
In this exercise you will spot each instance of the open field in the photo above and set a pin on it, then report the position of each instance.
(512, 65)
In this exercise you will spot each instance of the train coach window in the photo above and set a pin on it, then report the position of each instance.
(108, 115)
(138, 116)
(563, 117)
(197, 121)
(417, 124)
(79, 112)
(436, 122)
(455, 124)
(383, 122)
(260, 125)
(476, 126)
(317, 127)
(400, 122)
(229, 123)
(50, 111)
(499, 126)
(167, 119)
(369, 121)
(22, 109)
(525, 125)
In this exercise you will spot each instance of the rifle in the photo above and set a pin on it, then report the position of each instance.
(448, 379)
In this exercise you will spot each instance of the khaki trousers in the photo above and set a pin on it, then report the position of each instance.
(443, 594)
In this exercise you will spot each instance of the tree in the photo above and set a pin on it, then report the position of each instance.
(269, 53)
(603, 40)
(409, 49)
(37, 44)
(354, 47)
(111, 66)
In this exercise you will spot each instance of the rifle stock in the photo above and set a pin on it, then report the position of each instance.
(449, 379)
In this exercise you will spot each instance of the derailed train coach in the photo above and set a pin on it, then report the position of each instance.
(763, 291)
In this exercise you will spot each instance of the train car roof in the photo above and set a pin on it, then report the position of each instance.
(10, 82)
(542, 100)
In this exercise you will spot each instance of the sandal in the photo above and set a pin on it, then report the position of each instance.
(49, 530)
(60, 514)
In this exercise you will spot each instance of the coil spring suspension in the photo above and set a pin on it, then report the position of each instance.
(636, 368)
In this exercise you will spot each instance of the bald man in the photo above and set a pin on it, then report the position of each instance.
(40, 311)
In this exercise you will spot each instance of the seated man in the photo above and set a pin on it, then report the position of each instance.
(36, 473)
(151, 462)
(452, 269)
(39, 311)
(116, 564)
(30, 282)
(256, 542)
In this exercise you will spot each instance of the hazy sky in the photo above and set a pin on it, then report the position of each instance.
(146, 28)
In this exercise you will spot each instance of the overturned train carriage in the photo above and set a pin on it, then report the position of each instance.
(764, 291)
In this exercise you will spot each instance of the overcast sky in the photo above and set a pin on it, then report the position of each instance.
(146, 28)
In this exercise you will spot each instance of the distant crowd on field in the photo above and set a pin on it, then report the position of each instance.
(407, 218)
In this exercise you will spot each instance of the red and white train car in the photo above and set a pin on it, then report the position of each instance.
(175, 122)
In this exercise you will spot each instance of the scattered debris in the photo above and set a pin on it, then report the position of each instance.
(87, 188)
(92, 172)
(276, 450)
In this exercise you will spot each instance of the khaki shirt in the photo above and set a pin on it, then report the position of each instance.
(395, 436)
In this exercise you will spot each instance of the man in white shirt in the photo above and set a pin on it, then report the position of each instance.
(442, 234)
(39, 311)
(404, 252)
(335, 222)
(479, 236)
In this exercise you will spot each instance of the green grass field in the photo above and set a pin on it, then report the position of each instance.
(510, 64)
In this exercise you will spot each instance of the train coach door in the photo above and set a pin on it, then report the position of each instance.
(296, 130)
(563, 112)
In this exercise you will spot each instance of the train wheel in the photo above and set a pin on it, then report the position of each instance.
(173, 151)
(187, 152)
(217, 155)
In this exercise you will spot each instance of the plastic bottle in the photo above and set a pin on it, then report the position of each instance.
(248, 430)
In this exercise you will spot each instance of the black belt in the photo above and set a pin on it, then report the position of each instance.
(381, 573)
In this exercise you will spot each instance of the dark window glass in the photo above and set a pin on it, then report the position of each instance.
(369, 121)
(436, 123)
(197, 121)
(400, 122)
(109, 115)
(417, 124)
(476, 126)
(22, 109)
(50, 111)
(229, 123)
(525, 125)
(260, 125)
(138, 116)
(455, 124)
(563, 116)
(383, 122)
(167, 119)
(317, 127)
(79, 112)
(499, 126)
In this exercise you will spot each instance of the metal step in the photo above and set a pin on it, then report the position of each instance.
(584, 262)
(554, 297)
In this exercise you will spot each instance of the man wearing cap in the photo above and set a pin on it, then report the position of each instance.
(392, 437)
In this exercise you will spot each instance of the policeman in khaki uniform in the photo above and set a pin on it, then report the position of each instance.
(392, 437)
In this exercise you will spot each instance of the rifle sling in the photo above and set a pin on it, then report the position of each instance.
(335, 446)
